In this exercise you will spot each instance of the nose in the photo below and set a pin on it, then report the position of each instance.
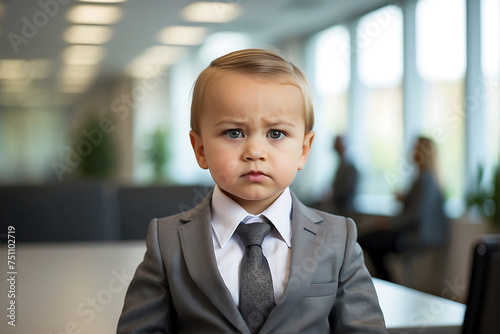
(254, 150)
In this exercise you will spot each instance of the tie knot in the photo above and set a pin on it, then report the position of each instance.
(253, 233)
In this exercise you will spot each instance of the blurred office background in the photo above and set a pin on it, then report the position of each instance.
(97, 92)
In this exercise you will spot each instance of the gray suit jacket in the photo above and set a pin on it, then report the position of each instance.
(178, 288)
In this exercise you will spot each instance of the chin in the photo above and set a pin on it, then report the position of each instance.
(261, 195)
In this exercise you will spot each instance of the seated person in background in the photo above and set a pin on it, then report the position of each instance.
(422, 222)
(345, 181)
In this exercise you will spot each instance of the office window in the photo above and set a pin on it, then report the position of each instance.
(441, 62)
(151, 129)
(329, 78)
(332, 77)
(379, 48)
(30, 143)
(490, 45)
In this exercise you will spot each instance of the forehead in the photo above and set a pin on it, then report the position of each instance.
(240, 94)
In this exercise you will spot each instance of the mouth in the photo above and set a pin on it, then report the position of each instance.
(254, 176)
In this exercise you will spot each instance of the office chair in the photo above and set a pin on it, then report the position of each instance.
(483, 301)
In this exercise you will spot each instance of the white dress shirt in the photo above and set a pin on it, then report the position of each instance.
(229, 250)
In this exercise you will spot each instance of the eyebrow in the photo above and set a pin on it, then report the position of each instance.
(271, 123)
(280, 122)
(228, 121)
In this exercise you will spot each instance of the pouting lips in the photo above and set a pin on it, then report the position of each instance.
(254, 175)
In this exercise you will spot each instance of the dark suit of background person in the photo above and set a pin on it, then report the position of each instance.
(178, 288)
(345, 181)
(422, 222)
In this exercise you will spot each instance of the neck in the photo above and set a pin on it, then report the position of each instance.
(254, 207)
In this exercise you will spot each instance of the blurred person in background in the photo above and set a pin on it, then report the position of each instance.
(422, 222)
(345, 181)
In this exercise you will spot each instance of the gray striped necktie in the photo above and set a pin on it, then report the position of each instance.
(256, 283)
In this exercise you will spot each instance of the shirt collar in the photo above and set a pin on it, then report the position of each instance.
(227, 214)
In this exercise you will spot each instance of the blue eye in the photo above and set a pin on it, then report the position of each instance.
(276, 134)
(234, 133)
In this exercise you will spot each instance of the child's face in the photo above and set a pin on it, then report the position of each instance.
(251, 137)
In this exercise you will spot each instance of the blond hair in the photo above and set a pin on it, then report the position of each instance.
(258, 62)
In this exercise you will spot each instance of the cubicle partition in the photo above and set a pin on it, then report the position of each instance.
(66, 212)
(90, 211)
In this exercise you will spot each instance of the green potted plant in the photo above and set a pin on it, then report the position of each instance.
(484, 196)
(97, 151)
(157, 154)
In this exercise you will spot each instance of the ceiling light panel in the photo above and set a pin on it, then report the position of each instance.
(13, 69)
(215, 12)
(16, 69)
(154, 60)
(40, 68)
(73, 89)
(179, 35)
(15, 86)
(82, 34)
(83, 54)
(94, 14)
(78, 73)
(103, 1)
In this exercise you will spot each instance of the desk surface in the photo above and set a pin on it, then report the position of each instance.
(61, 288)
(410, 311)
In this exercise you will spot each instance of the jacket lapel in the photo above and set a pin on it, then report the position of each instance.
(198, 250)
(306, 236)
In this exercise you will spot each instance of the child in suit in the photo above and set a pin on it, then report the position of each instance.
(252, 120)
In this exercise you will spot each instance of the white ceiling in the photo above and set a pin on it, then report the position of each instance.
(269, 21)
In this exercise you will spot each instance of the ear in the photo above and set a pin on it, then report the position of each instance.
(198, 148)
(306, 148)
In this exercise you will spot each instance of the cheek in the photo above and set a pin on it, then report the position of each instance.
(291, 154)
(221, 177)
(222, 170)
(286, 160)
(217, 155)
